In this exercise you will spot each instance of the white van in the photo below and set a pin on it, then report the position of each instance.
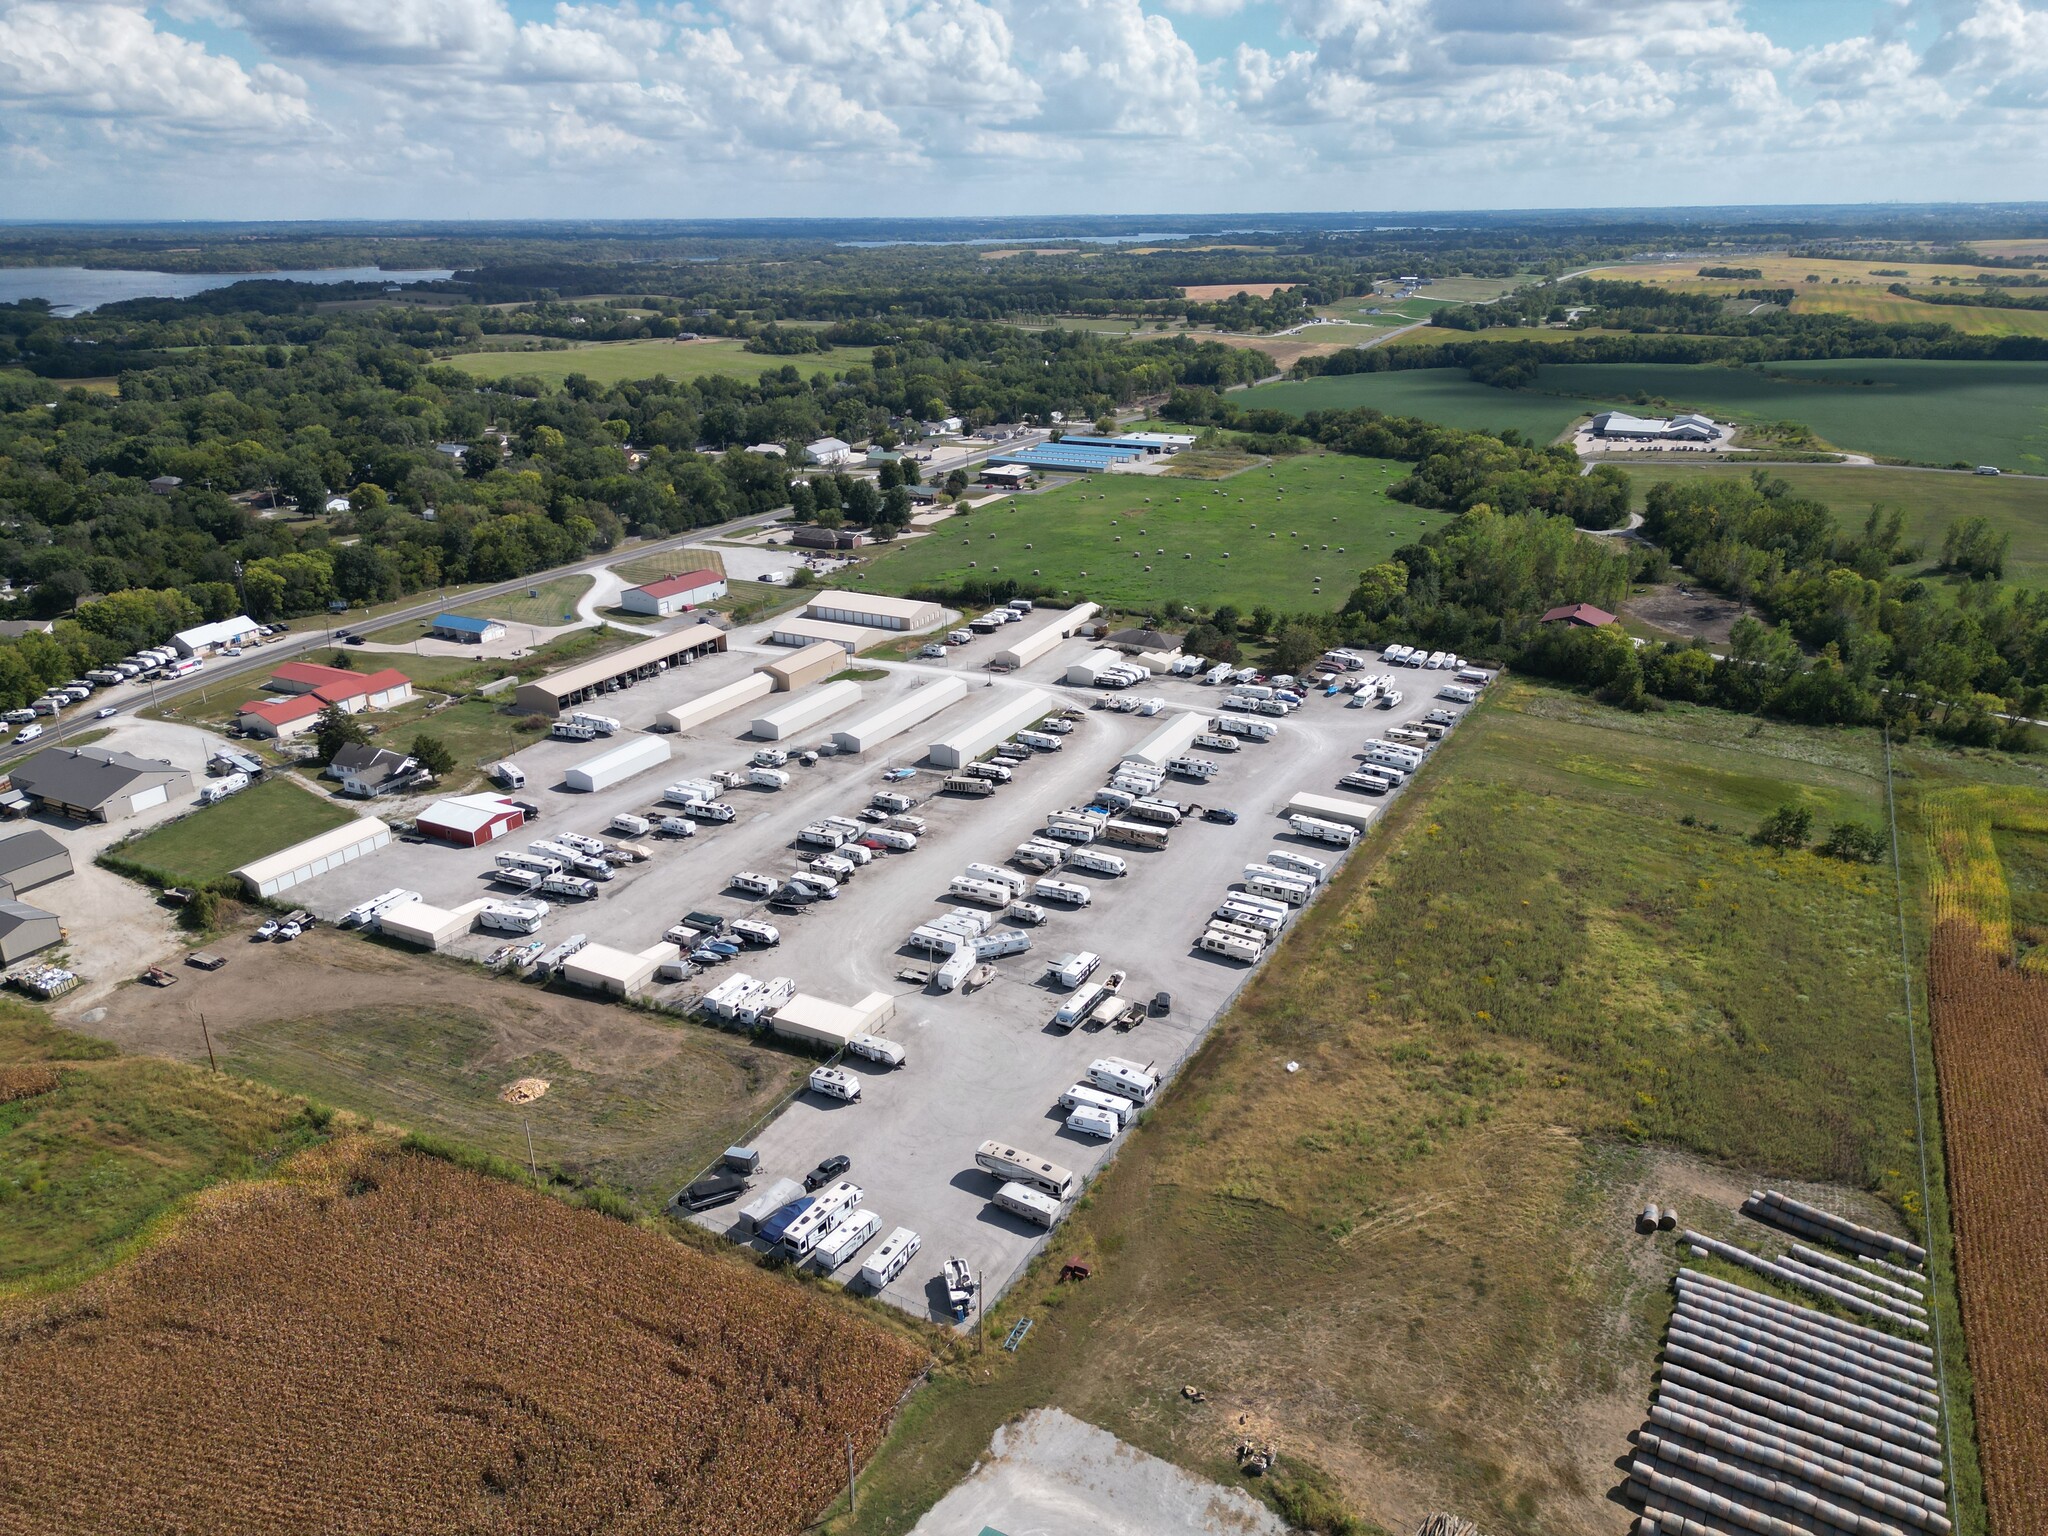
(755, 884)
(888, 1261)
(1089, 1121)
(28, 733)
(835, 1083)
(1068, 892)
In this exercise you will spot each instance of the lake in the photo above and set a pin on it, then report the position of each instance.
(75, 290)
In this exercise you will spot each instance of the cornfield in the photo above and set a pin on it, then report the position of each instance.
(1990, 1035)
(382, 1342)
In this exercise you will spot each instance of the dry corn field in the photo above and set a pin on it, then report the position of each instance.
(1990, 1042)
(382, 1342)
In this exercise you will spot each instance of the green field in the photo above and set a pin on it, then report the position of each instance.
(646, 568)
(1132, 541)
(1386, 1210)
(1448, 395)
(613, 362)
(1930, 412)
(1931, 501)
(89, 1167)
(546, 605)
(211, 842)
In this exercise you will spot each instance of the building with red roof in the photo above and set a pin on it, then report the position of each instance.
(310, 688)
(674, 594)
(1580, 616)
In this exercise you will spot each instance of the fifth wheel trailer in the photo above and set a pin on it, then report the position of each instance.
(805, 710)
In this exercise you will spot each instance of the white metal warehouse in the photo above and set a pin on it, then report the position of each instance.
(629, 757)
(805, 710)
(619, 972)
(1082, 674)
(851, 638)
(1043, 636)
(879, 725)
(430, 927)
(1172, 739)
(873, 610)
(721, 701)
(289, 867)
(965, 743)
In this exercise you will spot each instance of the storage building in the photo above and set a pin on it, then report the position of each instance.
(674, 594)
(617, 972)
(25, 929)
(637, 754)
(622, 669)
(966, 742)
(852, 639)
(805, 710)
(721, 701)
(205, 639)
(309, 688)
(464, 629)
(1080, 459)
(1083, 673)
(821, 1021)
(1323, 808)
(429, 927)
(468, 821)
(293, 866)
(874, 610)
(97, 783)
(879, 725)
(1170, 739)
(1039, 638)
(813, 664)
(29, 859)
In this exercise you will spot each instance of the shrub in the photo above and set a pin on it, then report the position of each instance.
(1853, 842)
(1786, 828)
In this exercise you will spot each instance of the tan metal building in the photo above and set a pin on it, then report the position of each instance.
(850, 638)
(873, 610)
(813, 664)
(621, 669)
(707, 707)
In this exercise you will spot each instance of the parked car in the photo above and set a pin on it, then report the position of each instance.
(108, 713)
(898, 775)
(1220, 816)
(531, 812)
(354, 640)
(1162, 1004)
(931, 652)
(827, 1171)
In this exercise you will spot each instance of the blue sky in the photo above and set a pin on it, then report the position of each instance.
(710, 108)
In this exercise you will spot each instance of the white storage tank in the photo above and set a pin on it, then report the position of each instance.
(617, 765)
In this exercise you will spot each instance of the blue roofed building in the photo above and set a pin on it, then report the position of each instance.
(1069, 458)
(455, 626)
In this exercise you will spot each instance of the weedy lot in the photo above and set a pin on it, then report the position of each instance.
(378, 1341)
(1410, 1261)
(2017, 505)
(210, 842)
(1132, 541)
(610, 362)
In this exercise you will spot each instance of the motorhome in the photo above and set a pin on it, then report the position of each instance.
(1010, 1164)
(1133, 834)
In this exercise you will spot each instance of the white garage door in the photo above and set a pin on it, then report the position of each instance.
(148, 799)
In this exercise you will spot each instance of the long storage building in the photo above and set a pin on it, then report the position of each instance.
(617, 972)
(1083, 673)
(874, 610)
(914, 708)
(621, 669)
(1172, 739)
(965, 743)
(1040, 638)
(805, 710)
(707, 707)
(634, 755)
(850, 638)
(1323, 808)
(820, 1021)
(293, 866)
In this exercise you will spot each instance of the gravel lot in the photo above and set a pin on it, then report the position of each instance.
(983, 1065)
(1049, 1474)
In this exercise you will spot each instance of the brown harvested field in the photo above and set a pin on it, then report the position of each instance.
(380, 1342)
(1205, 293)
(1285, 351)
(636, 1101)
(1989, 1020)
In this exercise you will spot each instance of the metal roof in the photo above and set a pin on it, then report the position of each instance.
(88, 776)
(464, 625)
(26, 848)
(1060, 456)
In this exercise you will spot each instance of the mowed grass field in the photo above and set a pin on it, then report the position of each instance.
(611, 362)
(1535, 1001)
(213, 841)
(1932, 501)
(1448, 395)
(1132, 541)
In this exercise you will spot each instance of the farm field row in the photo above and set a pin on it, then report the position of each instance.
(610, 362)
(1384, 1217)
(1132, 541)
(1932, 502)
(1891, 309)
(1789, 272)
(1933, 412)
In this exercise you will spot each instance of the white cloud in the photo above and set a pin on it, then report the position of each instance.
(379, 31)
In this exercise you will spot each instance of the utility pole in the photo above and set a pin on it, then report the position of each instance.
(207, 1036)
(852, 1499)
(530, 1166)
(979, 1313)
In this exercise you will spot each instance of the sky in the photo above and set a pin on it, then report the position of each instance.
(286, 109)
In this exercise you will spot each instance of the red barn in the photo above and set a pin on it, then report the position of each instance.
(470, 820)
